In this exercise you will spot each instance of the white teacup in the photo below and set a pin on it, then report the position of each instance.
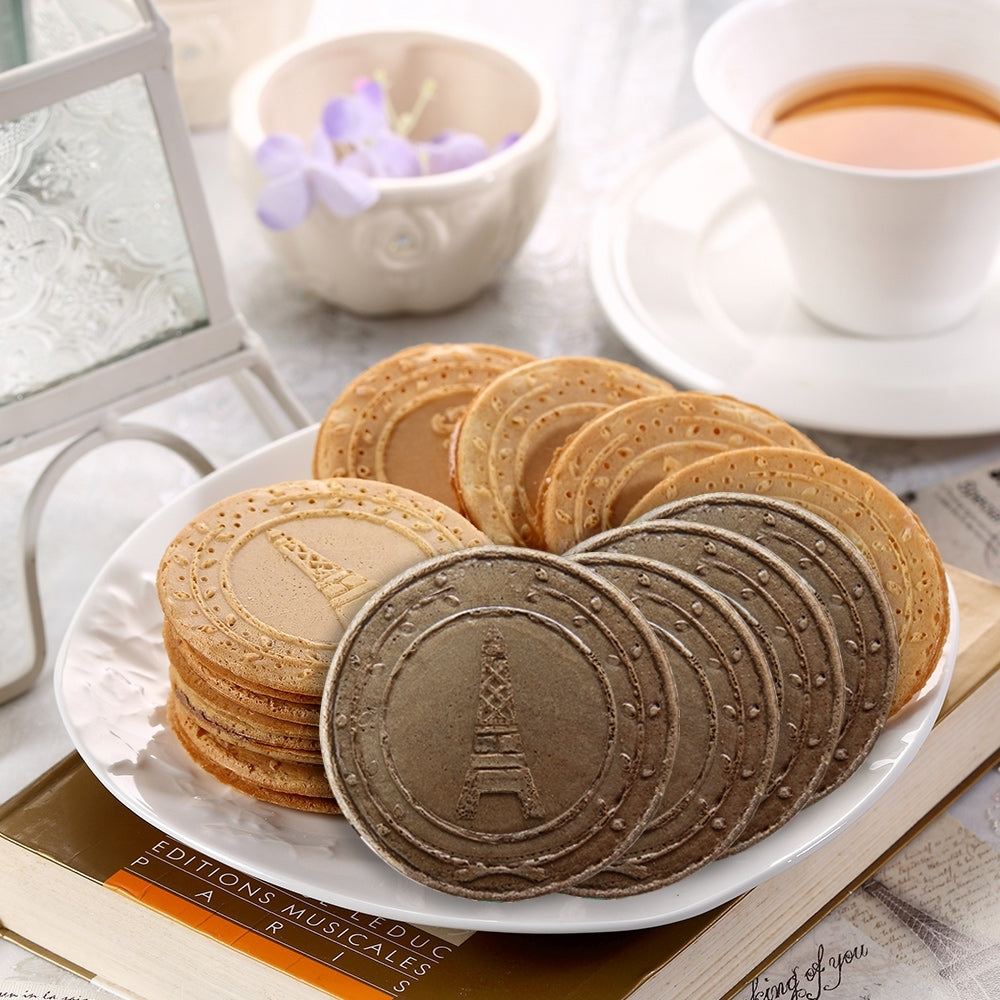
(879, 252)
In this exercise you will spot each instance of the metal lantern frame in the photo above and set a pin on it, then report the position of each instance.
(91, 407)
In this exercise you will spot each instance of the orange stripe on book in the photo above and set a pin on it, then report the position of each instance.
(264, 949)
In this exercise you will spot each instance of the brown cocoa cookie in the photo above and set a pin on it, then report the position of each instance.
(614, 459)
(727, 726)
(792, 628)
(507, 437)
(499, 723)
(849, 589)
(888, 533)
(393, 422)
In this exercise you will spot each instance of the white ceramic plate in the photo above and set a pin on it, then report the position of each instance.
(689, 271)
(111, 687)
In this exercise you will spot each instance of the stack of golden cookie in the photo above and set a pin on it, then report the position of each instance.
(256, 593)
(828, 599)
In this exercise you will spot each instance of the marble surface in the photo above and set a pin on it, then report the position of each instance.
(622, 70)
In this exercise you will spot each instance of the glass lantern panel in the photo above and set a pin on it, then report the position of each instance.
(94, 259)
(37, 29)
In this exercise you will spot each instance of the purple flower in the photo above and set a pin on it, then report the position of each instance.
(361, 122)
(300, 177)
(453, 150)
(370, 140)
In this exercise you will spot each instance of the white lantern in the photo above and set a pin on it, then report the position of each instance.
(112, 291)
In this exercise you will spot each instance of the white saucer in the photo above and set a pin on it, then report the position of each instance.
(688, 269)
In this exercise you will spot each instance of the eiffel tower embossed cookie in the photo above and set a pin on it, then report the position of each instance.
(614, 459)
(393, 422)
(850, 591)
(502, 446)
(888, 534)
(256, 594)
(792, 627)
(727, 725)
(499, 723)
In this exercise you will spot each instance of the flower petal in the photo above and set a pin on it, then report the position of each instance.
(355, 118)
(453, 150)
(322, 149)
(344, 191)
(340, 120)
(280, 153)
(394, 156)
(284, 202)
(371, 96)
(360, 161)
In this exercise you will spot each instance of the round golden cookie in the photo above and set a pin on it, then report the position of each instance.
(394, 421)
(510, 432)
(614, 459)
(889, 535)
(262, 776)
(226, 689)
(264, 583)
(235, 741)
(234, 722)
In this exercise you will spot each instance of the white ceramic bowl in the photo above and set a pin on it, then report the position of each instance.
(429, 243)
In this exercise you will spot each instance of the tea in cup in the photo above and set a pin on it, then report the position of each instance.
(871, 130)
